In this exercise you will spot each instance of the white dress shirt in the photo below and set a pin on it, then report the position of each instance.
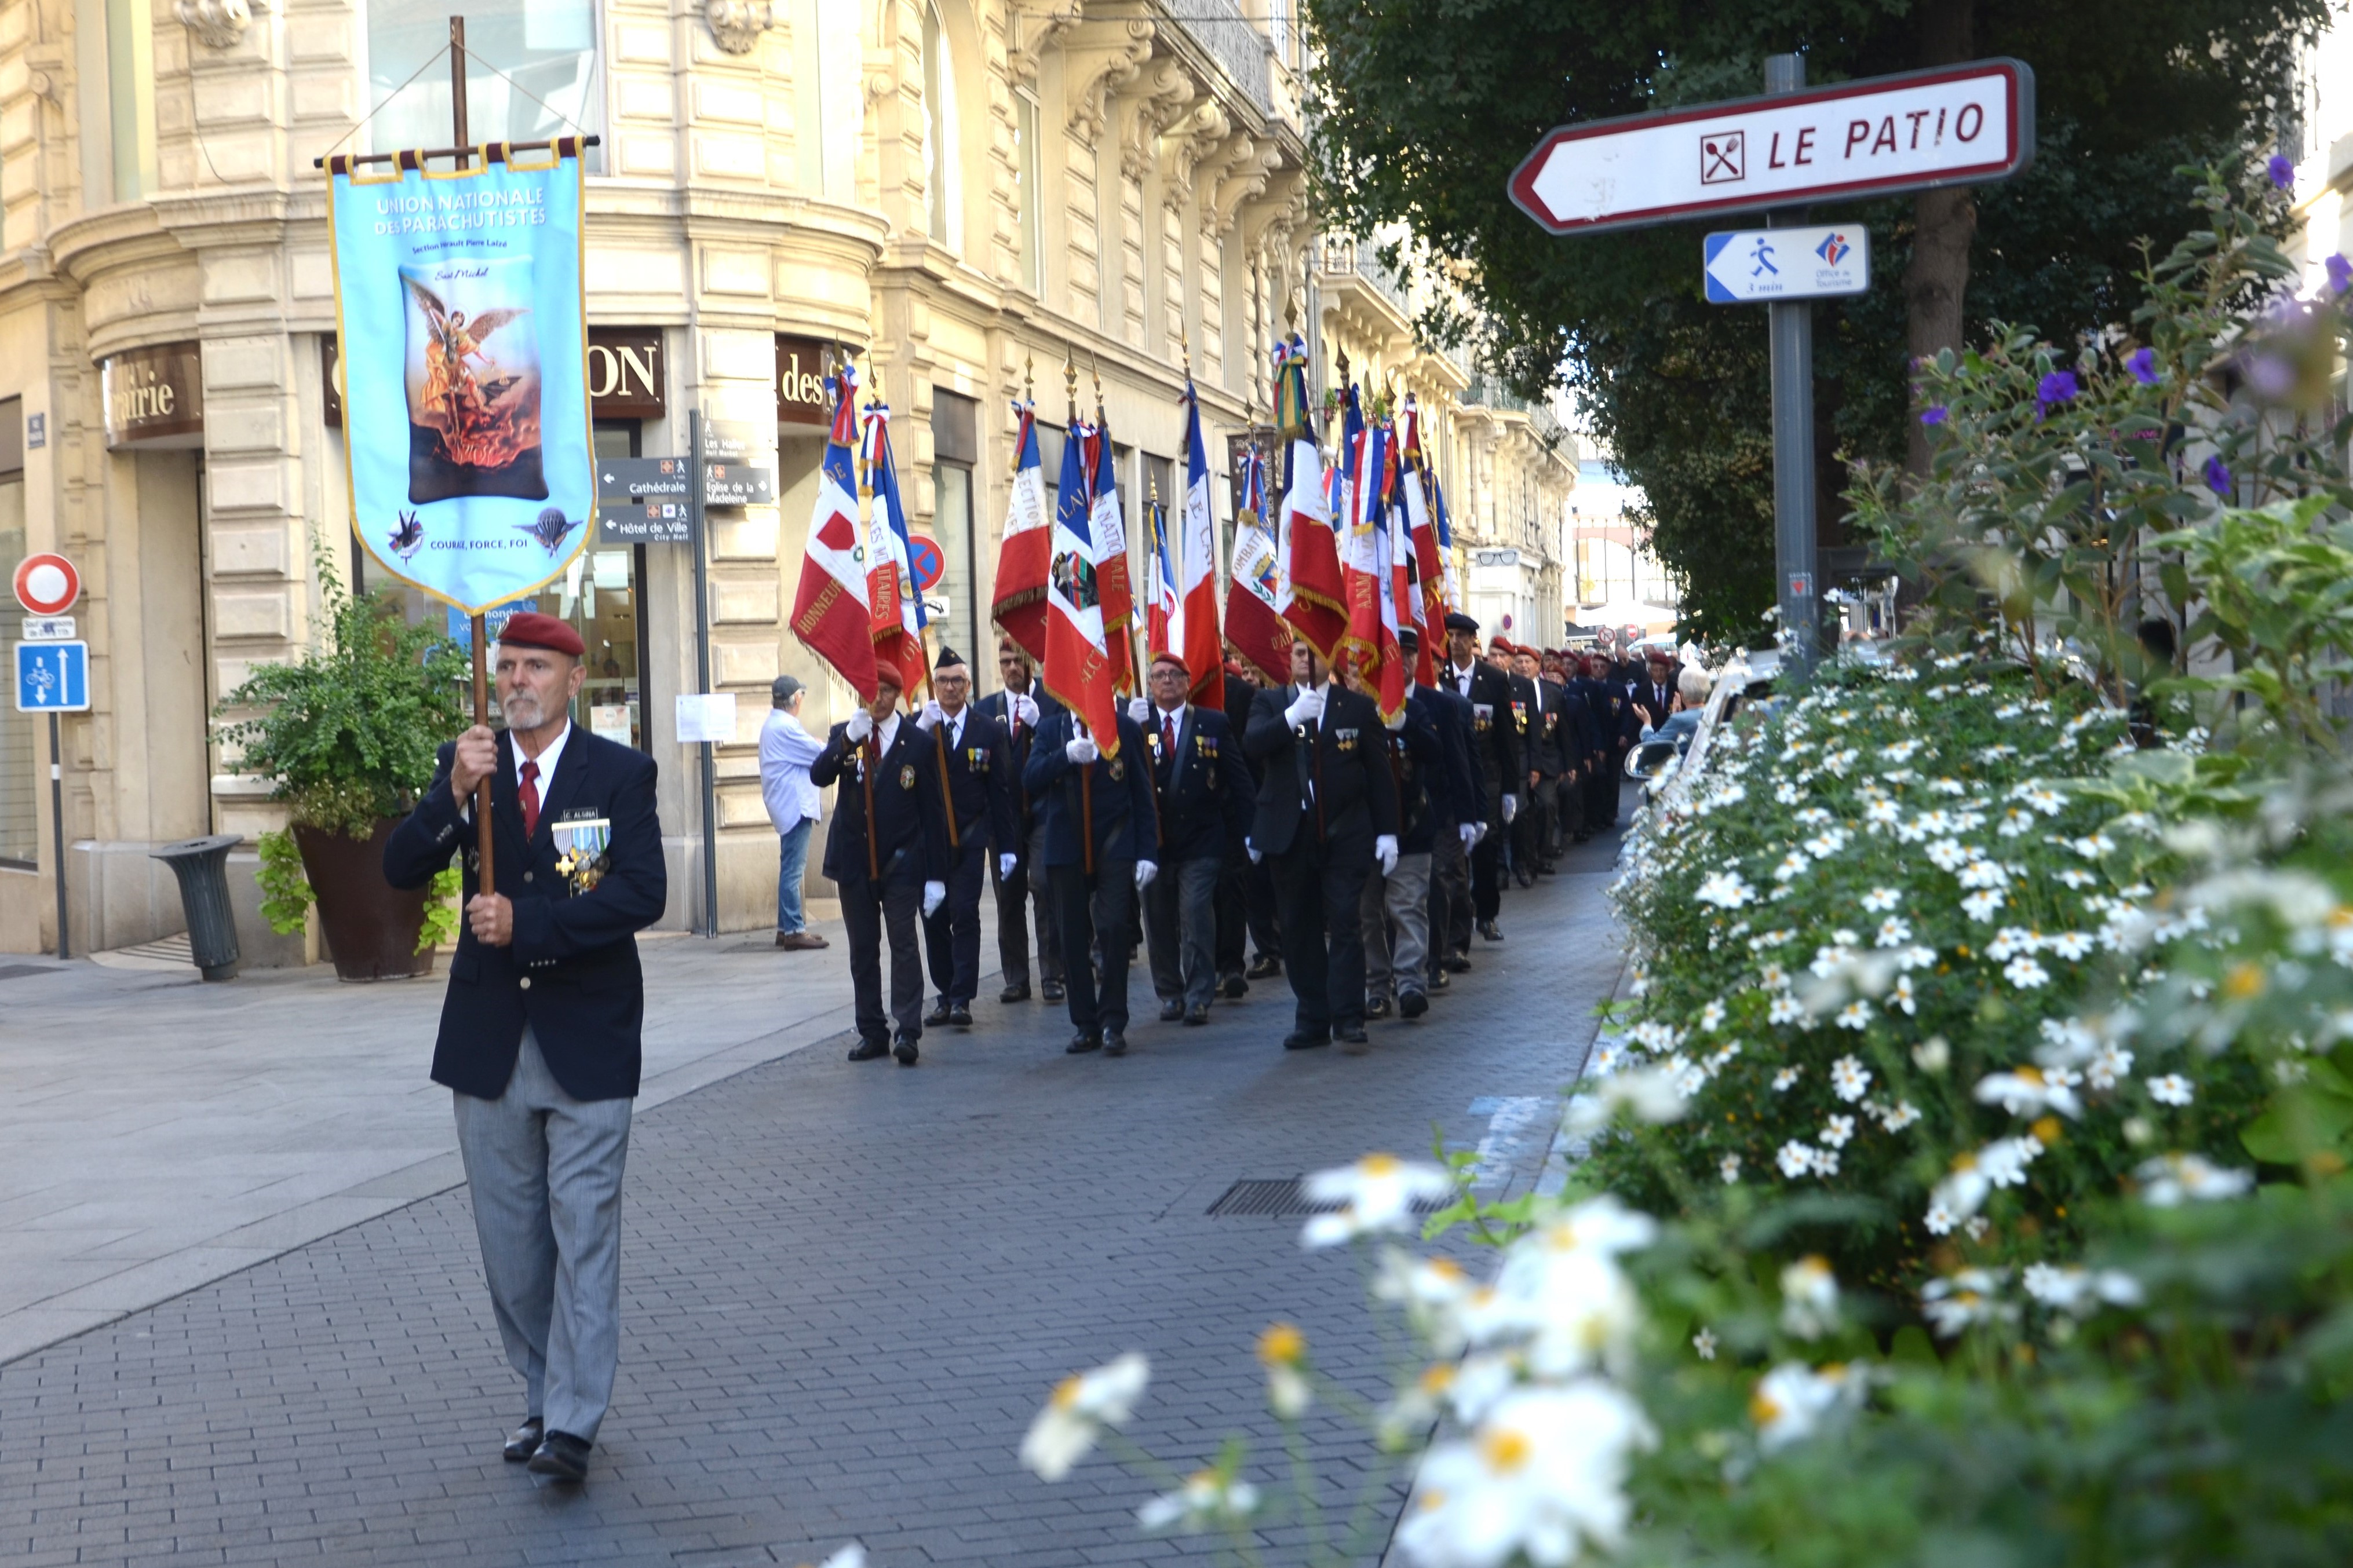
(786, 750)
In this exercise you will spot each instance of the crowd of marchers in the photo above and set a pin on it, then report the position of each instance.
(1292, 832)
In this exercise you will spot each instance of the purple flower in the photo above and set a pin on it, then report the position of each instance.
(2058, 386)
(2282, 171)
(2340, 273)
(1933, 414)
(2218, 476)
(2142, 365)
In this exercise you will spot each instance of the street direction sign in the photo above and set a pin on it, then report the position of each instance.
(48, 628)
(46, 585)
(635, 479)
(645, 522)
(732, 484)
(52, 677)
(1744, 266)
(1959, 125)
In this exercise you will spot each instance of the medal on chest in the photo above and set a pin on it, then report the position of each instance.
(581, 845)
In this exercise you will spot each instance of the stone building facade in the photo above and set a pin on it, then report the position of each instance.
(958, 190)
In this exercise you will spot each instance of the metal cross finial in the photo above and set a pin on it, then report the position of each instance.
(1070, 379)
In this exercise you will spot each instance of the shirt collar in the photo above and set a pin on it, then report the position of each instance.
(546, 759)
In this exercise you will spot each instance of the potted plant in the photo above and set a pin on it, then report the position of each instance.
(348, 733)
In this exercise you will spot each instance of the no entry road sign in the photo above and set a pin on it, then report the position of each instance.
(1959, 125)
(1747, 265)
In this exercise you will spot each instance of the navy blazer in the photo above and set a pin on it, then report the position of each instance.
(1353, 793)
(998, 706)
(1120, 795)
(981, 781)
(571, 970)
(1205, 791)
(1417, 765)
(1468, 799)
(1494, 744)
(913, 836)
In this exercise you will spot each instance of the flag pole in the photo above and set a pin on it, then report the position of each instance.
(870, 757)
(1086, 772)
(1134, 627)
(486, 882)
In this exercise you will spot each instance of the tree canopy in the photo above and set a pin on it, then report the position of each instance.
(1424, 107)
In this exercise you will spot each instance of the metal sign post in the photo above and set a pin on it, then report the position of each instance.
(698, 522)
(1958, 125)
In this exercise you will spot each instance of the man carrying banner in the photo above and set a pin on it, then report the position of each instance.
(887, 856)
(539, 1039)
(1018, 707)
(1203, 791)
(1495, 747)
(977, 758)
(1102, 850)
(1395, 908)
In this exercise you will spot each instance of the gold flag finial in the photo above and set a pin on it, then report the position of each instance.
(1029, 377)
(1070, 379)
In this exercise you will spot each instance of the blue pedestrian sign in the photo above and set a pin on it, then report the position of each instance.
(1746, 265)
(52, 677)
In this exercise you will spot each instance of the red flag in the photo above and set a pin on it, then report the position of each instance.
(1256, 632)
(896, 615)
(830, 609)
(1314, 598)
(1076, 671)
(1109, 531)
(1019, 608)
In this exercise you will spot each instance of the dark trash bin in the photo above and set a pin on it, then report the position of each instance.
(202, 867)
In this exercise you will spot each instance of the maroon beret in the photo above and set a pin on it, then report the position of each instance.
(529, 629)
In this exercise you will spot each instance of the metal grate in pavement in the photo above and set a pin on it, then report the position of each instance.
(1280, 1200)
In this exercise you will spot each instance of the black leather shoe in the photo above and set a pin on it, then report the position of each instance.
(961, 1015)
(524, 1441)
(1015, 993)
(1456, 963)
(1352, 1038)
(562, 1457)
(1307, 1040)
(1379, 1007)
(1197, 1014)
(1171, 1010)
(1523, 880)
(1547, 868)
(1235, 988)
(1441, 980)
(904, 1048)
(1114, 1043)
(1051, 991)
(1413, 1004)
(1082, 1042)
(1265, 966)
(1491, 931)
(1584, 837)
(867, 1050)
(938, 1016)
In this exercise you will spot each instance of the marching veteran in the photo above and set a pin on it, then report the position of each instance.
(540, 1031)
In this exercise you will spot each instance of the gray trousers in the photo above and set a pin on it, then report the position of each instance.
(544, 1174)
(1396, 910)
(1449, 897)
(1180, 931)
(1028, 885)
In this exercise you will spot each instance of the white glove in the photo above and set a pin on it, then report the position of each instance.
(1469, 831)
(931, 717)
(1481, 833)
(1305, 709)
(1385, 850)
(860, 725)
(1139, 708)
(934, 895)
(1004, 864)
(1398, 722)
(1511, 809)
(1025, 708)
(1253, 851)
(1081, 748)
(1144, 871)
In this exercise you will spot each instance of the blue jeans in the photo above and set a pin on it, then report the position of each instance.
(791, 863)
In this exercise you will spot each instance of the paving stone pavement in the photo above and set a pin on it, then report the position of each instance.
(847, 1289)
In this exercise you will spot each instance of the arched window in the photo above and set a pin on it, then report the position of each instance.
(942, 160)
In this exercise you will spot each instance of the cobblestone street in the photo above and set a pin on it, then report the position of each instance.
(846, 1289)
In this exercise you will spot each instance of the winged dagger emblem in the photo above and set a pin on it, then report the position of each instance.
(409, 537)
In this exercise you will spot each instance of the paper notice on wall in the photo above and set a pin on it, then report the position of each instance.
(610, 721)
(706, 716)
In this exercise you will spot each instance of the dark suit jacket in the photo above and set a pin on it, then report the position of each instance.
(1494, 745)
(998, 706)
(1343, 759)
(911, 823)
(1119, 795)
(1550, 733)
(1417, 765)
(1464, 796)
(571, 971)
(1205, 790)
(982, 781)
(1240, 692)
(1654, 703)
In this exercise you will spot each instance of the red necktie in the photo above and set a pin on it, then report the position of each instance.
(1168, 732)
(530, 796)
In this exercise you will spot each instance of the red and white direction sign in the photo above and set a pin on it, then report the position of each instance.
(46, 585)
(1959, 125)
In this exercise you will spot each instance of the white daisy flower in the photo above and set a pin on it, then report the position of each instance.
(1879, 900)
(1980, 907)
(2073, 1288)
(1948, 787)
(2170, 1090)
(2071, 945)
(1711, 1017)
(2030, 1091)
(2171, 1180)
(1882, 813)
(2075, 878)
(1792, 864)
(1903, 996)
(1786, 1076)
(1962, 1301)
(1543, 1477)
(1729, 1169)
(2011, 941)
(1726, 890)
(1825, 1162)
(1856, 1015)
(1703, 1342)
(1849, 1079)
(1837, 1132)
(2107, 1066)
(1915, 957)
(1082, 1406)
(1948, 854)
(1377, 1193)
(1793, 1402)
(2025, 974)
(1208, 1500)
(1786, 1009)
(1809, 1298)
(1904, 1115)
(1795, 1159)
(1893, 931)
(2093, 846)
(1982, 873)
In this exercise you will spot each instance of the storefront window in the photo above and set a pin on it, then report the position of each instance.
(548, 49)
(20, 776)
